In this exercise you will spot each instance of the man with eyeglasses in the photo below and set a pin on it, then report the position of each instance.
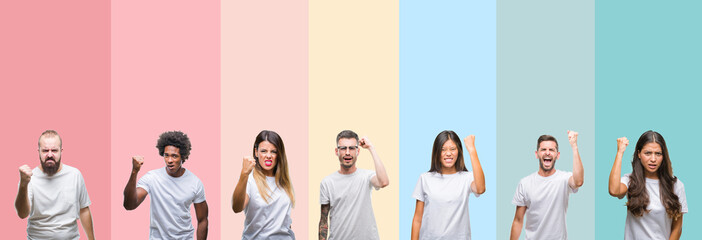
(345, 194)
(172, 188)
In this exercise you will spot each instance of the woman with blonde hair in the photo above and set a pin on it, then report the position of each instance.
(656, 198)
(264, 191)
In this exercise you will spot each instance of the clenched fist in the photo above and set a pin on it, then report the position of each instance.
(573, 138)
(365, 143)
(248, 165)
(137, 161)
(25, 174)
(622, 142)
(470, 142)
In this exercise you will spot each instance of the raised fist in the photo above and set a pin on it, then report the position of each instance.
(622, 142)
(573, 138)
(25, 174)
(248, 165)
(365, 143)
(470, 142)
(137, 161)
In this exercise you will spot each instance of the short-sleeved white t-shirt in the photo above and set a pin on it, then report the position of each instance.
(546, 199)
(55, 203)
(445, 200)
(654, 224)
(350, 212)
(171, 198)
(267, 220)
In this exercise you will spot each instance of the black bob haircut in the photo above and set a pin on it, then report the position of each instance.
(176, 139)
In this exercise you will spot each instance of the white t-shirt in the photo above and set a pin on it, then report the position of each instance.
(350, 212)
(445, 200)
(55, 203)
(171, 198)
(546, 199)
(267, 220)
(654, 224)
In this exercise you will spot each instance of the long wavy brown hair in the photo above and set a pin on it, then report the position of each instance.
(637, 195)
(282, 177)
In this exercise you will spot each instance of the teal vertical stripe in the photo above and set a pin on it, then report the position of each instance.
(545, 85)
(648, 78)
(447, 81)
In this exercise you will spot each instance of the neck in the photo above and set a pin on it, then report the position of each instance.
(350, 170)
(178, 173)
(651, 175)
(545, 173)
(451, 170)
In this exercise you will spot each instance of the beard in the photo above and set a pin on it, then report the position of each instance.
(343, 164)
(541, 164)
(50, 168)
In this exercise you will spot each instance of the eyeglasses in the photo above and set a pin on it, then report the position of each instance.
(343, 148)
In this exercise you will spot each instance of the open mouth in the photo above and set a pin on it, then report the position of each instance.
(548, 161)
(448, 160)
(652, 166)
(268, 163)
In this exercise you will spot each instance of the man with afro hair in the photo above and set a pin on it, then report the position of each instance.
(172, 188)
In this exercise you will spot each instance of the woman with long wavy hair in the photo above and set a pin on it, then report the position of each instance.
(442, 193)
(264, 191)
(656, 198)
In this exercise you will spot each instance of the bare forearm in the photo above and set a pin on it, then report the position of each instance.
(380, 172)
(202, 226)
(478, 175)
(676, 229)
(22, 202)
(416, 225)
(516, 230)
(239, 195)
(324, 222)
(615, 176)
(130, 192)
(86, 219)
(578, 172)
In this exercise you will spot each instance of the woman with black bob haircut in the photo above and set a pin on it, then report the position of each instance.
(656, 198)
(264, 191)
(442, 193)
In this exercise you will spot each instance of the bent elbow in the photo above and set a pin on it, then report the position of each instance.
(128, 206)
(480, 190)
(384, 183)
(236, 209)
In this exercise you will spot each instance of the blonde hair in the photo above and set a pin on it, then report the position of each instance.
(282, 177)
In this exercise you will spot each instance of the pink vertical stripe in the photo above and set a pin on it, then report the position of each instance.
(54, 66)
(264, 86)
(165, 76)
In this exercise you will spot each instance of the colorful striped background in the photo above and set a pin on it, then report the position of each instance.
(111, 75)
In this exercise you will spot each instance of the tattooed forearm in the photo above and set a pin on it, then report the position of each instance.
(324, 223)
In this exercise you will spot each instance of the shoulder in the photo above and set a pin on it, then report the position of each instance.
(528, 178)
(330, 177)
(191, 176)
(679, 186)
(563, 174)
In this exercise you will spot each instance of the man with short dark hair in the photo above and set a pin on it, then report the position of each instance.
(345, 194)
(53, 195)
(172, 188)
(543, 195)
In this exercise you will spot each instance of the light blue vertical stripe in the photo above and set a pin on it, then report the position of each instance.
(545, 85)
(447, 81)
(648, 78)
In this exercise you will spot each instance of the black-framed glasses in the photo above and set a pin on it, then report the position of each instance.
(343, 148)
